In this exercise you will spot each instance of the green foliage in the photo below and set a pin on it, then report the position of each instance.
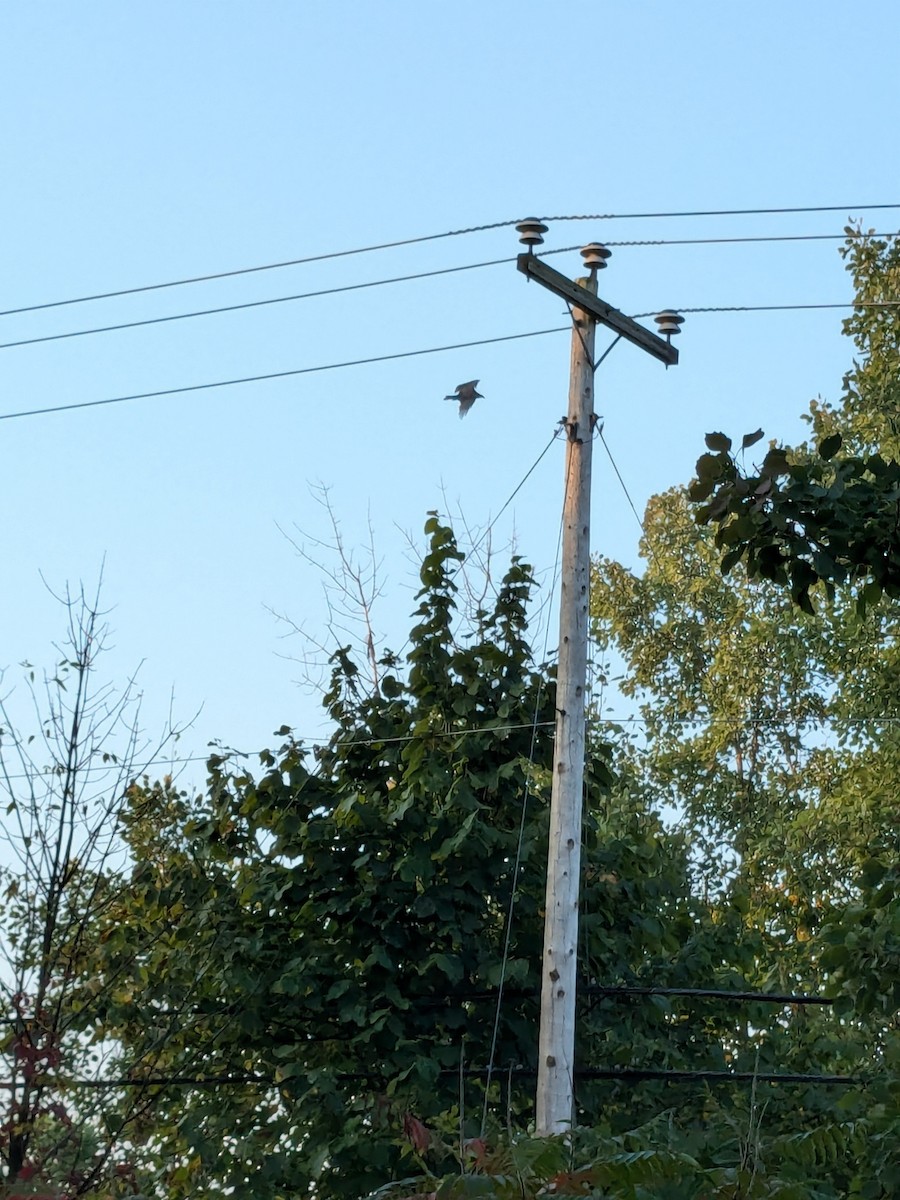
(772, 734)
(306, 959)
(647, 1162)
(332, 931)
(827, 512)
(60, 1136)
(801, 518)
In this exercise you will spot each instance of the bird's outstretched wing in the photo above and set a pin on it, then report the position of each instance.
(466, 395)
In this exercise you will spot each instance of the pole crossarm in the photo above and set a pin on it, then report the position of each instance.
(533, 268)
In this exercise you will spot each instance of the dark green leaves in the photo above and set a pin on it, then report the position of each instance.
(718, 442)
(802, 520)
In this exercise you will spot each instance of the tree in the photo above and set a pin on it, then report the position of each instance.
(772, 731)
(61, 1131)
(336, 936)
(740, 696)
(826, 512)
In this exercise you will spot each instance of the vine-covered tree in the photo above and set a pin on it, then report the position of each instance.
(348, 916)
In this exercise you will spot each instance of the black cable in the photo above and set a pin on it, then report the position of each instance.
(291, 262)
(201, 387)
(756, 722)
(512, 495)
(621, 480)
(526, 796)
(430, 237)
(226, 308)
(609, 349)
(301, 738)
(626, 1074)
(709, 994)
(639, 1074)
(736, 308)
(721, 212)
(353, 287)
(720, 241)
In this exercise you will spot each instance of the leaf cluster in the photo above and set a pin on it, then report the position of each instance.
(802, 520)
(826, 512)
(335, 930)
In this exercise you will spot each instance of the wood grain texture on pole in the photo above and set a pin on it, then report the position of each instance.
(556, 1068)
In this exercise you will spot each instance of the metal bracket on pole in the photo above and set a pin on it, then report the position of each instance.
(533, 268)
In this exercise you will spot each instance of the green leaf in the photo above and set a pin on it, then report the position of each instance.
(775, 463)
(718, 442)
(750, 439)
(731, 559)
(829, 446)
(710, 467)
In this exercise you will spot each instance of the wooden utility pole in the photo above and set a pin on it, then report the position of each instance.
(554, 1106)
(556, 1048)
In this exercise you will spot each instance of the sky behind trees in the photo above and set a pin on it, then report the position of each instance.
(154, 142)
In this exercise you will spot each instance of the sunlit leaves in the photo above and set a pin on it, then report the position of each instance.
(826, 514)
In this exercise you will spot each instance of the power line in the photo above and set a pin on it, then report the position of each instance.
(764, 722)
(621, 480)
(358, 362)
(741, 308)
(291, 262)
(353, 287)
(526, 796)
(512, 495)
(825, 720)
(226, 308)
(430, 237)
(722, 212)
(709, 994)
(303, 739)
(640, 1074)
(201, 387)
(723, 241)
(626, 1074)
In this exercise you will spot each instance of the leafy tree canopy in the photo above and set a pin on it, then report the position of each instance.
(827, 511)
(345, 916)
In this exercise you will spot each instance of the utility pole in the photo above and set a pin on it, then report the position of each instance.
(554, 1106)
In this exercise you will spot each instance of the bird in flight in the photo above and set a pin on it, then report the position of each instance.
(466, 395)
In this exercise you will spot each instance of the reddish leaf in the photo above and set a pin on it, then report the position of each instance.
(418, 1136)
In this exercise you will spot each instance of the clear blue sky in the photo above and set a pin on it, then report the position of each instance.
(144, 142)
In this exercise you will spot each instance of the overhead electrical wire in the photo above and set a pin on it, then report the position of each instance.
(746, 308)
(624, 485)
(527, 795)
(276, 266)
(357, 362)
(625, 1074)
(226, 308)
(352, 287)
(717, 212)
(373, 283)
(827, 720)
(431, 237)
(725, 241)
(201, 387)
